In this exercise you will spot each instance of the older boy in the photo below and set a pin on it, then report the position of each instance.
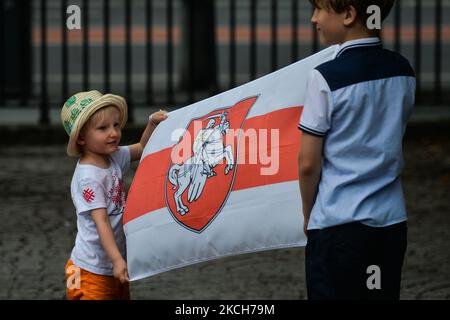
(354, 118)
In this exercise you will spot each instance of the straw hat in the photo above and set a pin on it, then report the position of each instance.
(80, 107)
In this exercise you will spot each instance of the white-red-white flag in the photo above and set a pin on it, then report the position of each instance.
(220, 178)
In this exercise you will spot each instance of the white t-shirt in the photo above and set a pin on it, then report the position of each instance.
(93, 188)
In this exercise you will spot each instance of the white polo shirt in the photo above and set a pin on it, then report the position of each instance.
(360, 103)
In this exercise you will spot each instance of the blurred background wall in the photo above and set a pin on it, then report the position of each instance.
(175, 52)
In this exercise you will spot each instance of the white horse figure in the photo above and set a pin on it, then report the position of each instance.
(209, 151)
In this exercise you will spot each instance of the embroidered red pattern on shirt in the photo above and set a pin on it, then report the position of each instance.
(119, 194)
(88, 195)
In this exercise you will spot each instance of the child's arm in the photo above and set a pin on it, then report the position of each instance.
(137, 149)
(101, 219)
(309, 170)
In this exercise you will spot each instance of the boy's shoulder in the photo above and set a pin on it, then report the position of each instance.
(357, 66)
(88, 173)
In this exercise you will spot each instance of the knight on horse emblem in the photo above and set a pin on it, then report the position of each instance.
(204, 163)
(209, 150)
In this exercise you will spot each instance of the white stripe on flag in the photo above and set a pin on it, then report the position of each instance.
(256, 219)
(283, 88)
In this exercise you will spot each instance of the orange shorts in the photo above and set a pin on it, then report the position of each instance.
(85, 285)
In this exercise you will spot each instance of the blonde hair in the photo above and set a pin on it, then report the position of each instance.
(97, 117)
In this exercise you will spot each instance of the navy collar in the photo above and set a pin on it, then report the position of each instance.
(359, 43)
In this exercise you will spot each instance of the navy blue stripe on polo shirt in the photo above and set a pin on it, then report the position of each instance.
(356, 64)
(312, 131)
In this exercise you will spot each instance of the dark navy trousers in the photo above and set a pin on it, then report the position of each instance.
(355, 261)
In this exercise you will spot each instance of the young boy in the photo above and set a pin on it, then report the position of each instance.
(97, 267)
(355, 113)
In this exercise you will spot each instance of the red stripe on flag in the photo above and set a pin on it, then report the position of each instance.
(286, 121)
(147, 192)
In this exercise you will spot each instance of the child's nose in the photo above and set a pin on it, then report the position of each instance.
(314, 16)
(114, 132)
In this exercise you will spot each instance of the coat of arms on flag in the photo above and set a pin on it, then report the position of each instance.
(199, 183)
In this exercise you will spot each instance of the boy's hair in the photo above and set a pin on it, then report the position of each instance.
(360, 6)
(97, 117)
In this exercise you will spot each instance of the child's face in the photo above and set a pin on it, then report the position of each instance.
(330, 25)
(101, 134)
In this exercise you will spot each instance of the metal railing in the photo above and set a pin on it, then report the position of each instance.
(159, 52)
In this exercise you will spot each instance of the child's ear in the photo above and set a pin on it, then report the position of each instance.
(80, 140)
(350, 16)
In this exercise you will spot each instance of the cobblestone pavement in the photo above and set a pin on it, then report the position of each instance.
(38, 230)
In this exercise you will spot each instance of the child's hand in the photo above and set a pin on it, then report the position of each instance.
(158, 116)
(120, 271)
